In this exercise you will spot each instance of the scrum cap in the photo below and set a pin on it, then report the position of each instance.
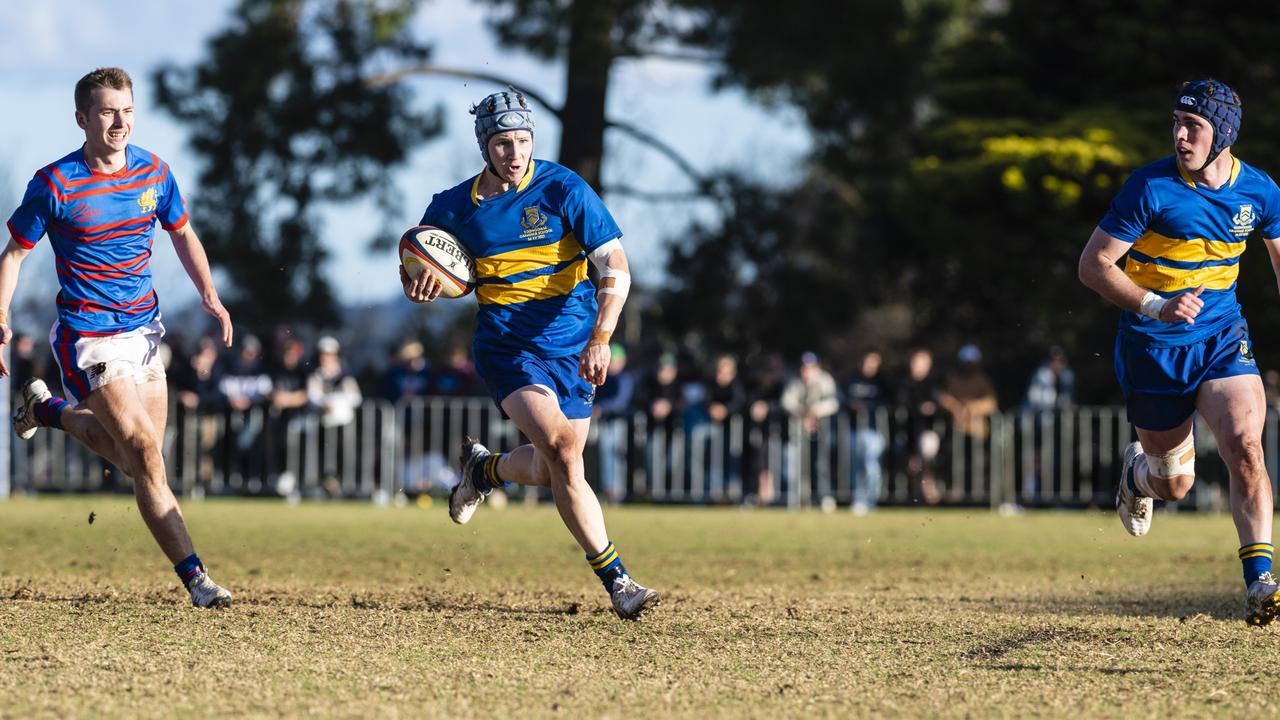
(1219, 105)
(501, 112)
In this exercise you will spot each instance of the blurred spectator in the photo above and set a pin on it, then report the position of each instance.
(247, 387)
(198, 384)
(197, 387)
(612, 412)
(1050, 391)
(336, 394)
(289, 379)
(1271, 385)
(1053, 384)
(970, 399)
(764, 416)
(458, 377)
(246, 383)
(918, 393)
(726, 396)
(410, 374)
(660, 396)
(811, 397)
(288, 406)
(25, 362)
(866, 393)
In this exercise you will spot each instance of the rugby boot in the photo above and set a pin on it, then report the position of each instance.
(206, 593)
(1135, 512)
(630, 599)
(466, 497)
(1262, 601)
(34, 392)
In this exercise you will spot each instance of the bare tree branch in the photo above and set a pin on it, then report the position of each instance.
(703, 185)
(397, 75)
(674, 55)
(654, 196)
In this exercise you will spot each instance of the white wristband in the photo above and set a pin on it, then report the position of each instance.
(1151, 305)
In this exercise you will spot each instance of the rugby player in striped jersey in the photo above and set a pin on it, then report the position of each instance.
(99, 205)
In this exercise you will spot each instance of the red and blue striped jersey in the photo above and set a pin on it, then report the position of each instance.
(101, 227)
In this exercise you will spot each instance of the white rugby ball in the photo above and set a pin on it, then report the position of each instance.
(429, 249)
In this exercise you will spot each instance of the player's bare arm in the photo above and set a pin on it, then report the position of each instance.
(194, 260)
(615, 283)
(10, 263)
(1100, 271)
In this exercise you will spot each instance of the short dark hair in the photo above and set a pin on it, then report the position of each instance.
(107, 77)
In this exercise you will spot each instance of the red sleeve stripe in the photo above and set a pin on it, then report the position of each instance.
(182, 221)
(19, 238)
(49, 181)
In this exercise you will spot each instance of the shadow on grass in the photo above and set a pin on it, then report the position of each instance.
(1184, 605)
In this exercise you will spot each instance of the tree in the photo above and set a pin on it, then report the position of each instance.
(591, 36)
(283, 120)
(963, 153)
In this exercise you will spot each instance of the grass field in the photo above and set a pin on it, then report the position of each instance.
(351, 610)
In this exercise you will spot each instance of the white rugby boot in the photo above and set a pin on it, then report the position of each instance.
(1262, 601)
(630, 599)
(34, 392)
(466, 497)
(206, 593)
(1135, 512)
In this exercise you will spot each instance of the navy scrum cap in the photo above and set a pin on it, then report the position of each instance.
(1219, 105)
(501, 112)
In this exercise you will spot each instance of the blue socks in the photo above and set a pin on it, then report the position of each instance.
(49, 413)
(608, 566)
(188, 569)
(1256, 559)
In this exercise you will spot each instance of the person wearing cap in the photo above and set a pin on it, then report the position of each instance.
(1183, 345)
(542, 328)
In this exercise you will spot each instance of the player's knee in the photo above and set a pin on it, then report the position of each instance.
(138, 445)
(1177, 468)
(1243, 454)
(561, 447)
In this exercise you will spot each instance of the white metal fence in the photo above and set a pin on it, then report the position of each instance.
(1068, 458)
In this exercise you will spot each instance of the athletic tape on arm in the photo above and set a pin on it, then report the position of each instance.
(621, 284)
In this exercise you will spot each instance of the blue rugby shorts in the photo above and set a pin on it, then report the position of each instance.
(1160, 383)
(505, 371)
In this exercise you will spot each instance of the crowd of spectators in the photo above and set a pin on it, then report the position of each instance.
(285, 383)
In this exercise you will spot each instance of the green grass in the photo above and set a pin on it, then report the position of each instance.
(351, 610)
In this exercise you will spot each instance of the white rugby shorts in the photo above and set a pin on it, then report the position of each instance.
(87, 362)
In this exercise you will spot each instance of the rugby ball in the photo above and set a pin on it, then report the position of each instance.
(429, 249)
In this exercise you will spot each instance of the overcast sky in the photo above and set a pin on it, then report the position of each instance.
(46, 46)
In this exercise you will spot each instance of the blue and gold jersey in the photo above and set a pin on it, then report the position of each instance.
(1185, 235)
(530, 245)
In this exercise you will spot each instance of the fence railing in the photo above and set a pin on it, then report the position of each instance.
(1017, 458)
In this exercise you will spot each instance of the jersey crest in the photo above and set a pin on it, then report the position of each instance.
(1244, 221)
(147, 201)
